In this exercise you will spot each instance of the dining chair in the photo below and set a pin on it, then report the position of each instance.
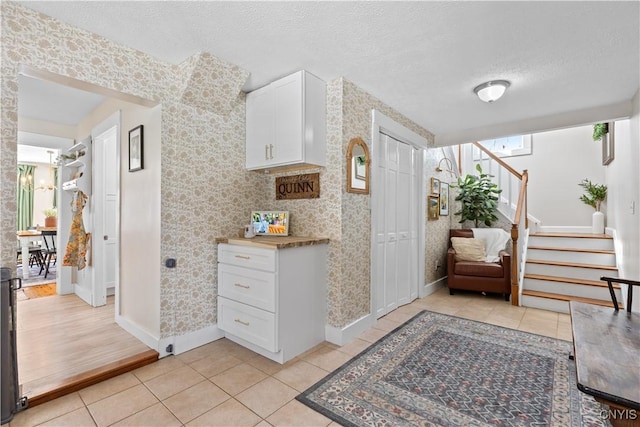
(49, 251)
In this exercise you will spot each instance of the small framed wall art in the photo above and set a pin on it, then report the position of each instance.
(444, 198)
(435, 185)
(433, 207)
(136, 152)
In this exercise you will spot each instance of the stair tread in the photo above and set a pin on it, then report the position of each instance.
(563, 297)
(569, 280)
(572, 264)
(576, 235)
(582, 250)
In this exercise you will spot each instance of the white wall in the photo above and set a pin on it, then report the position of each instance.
(42, 199)
(139, 293)
(623, 177)
(560, 160)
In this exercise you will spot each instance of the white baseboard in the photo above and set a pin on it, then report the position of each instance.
(181, 343)
(346, 334)
(147, 339)
(429, 288)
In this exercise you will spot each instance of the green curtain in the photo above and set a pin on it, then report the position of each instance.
(55, 183)
(25, 198)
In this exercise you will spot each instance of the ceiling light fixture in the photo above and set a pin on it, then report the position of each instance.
(50, 185)
(491, 91)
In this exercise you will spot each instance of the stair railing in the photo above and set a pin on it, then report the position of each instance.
(513, 205)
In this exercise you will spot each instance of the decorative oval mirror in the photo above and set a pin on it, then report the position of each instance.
(358, 162)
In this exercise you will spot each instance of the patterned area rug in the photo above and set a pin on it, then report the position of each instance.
(35, 278)
(439, 370)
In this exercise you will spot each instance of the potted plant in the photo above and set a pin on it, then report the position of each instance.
(479, 197)
(600, 130)
(50, 217)
(595, 195)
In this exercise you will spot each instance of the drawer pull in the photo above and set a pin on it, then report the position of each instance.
(241, 322)
(243, 256)
(240, 285)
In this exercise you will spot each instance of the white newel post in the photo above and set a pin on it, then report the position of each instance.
(597, 223)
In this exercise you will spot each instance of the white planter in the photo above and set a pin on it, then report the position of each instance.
(597, 223)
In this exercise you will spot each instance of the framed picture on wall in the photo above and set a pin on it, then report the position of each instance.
(136, 158)
(444, 198)
(608, 145)
(433, 207)
(435, 185)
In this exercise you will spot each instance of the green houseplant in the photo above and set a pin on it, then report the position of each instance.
(479, 197)
(600, 130)
(594, 196)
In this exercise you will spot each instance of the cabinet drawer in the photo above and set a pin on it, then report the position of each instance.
(253, 287)
(249, 323)
(247, 256)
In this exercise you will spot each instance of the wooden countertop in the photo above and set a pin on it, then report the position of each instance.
(274, 242)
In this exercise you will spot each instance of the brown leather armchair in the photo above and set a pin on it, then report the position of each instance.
(478, 276)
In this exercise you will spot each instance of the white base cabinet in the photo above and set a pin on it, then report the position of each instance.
(272, 301)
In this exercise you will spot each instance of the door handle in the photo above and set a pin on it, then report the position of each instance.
(271, 151)
(266, 152)
(241, 322)
(240, 285)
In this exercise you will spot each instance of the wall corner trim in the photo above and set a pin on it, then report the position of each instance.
(429, 288)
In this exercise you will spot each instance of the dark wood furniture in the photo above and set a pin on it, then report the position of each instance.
(478, 276)
(606, 345)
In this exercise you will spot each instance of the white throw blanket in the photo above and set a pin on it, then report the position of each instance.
(495, 240)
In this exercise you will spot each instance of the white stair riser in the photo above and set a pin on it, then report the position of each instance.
(586, 291)
(571, 272)
(571, 242)
(558, 306)
(566, 256)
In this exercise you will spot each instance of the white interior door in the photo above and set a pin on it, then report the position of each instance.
(100, 276)
(106, 212)
(397, 228)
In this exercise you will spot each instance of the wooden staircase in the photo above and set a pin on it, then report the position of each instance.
(562, 267)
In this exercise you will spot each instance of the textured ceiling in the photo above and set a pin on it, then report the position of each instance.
(569, 63)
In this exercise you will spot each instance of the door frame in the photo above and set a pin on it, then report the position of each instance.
(380, 122)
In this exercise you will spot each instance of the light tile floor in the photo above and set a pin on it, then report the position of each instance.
(224, 384)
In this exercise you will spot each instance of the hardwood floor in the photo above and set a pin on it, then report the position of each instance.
(61, 337)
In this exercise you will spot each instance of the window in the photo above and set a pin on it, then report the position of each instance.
(519, 145)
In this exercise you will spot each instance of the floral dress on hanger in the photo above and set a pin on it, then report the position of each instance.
(75, 255)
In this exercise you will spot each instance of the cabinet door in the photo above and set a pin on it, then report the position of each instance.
(260, 128)
(288, 106)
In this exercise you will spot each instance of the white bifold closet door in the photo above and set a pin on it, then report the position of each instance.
(396, 236)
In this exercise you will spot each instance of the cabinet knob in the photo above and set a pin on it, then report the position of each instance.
(266, 152)
(271, 151)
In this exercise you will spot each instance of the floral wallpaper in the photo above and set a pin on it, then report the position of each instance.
(345, 217)
(205, 190)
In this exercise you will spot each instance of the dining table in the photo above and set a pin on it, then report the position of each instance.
(26, 238)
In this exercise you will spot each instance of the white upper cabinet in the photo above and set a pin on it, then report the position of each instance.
(286, 123)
